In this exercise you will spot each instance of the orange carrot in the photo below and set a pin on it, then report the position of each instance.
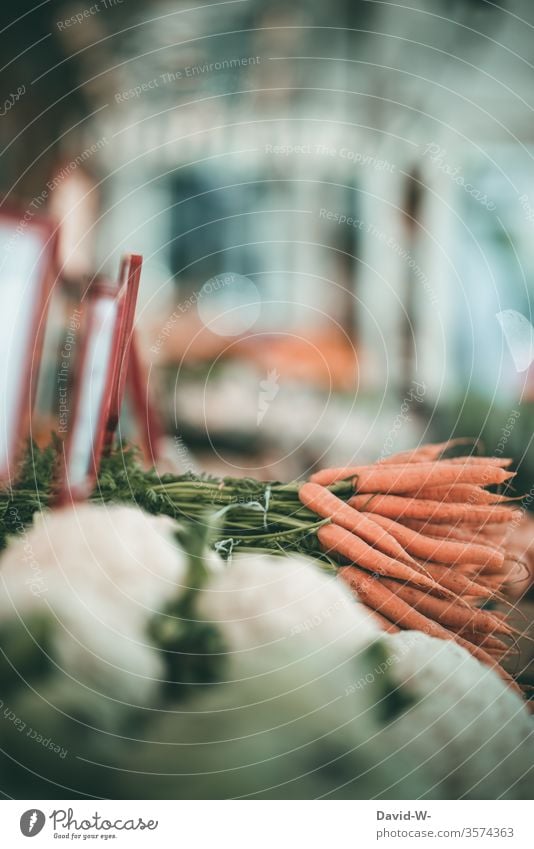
(449, 614)
(484, 640)
(376, 595)
(500, 462)
(396, 506)
(409, 477)
(492, 536)
(486, 569)
(385, 624)
(404, 477)
(458, 583)
(343, 542)
(444, 551)
(454, 530)
(468, 493)
(327, 477)
(425, 453)
(329, 506)
(436, 529)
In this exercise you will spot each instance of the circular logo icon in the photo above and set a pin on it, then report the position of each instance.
(229, 304)
(32, 822)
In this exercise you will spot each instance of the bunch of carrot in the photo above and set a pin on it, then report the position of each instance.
(422, 542)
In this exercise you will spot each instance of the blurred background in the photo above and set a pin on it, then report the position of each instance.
(335, 205)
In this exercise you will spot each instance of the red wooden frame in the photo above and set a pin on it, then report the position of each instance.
(129, 277)
(20, 406)
(107, 333)
(148, 420)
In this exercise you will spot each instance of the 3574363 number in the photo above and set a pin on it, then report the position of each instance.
(488, 832)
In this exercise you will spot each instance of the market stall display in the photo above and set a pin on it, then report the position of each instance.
(439, 582)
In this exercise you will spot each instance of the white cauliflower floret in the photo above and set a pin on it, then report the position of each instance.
(260, 599)
(101, 572)
(469, 734)
(292, 715)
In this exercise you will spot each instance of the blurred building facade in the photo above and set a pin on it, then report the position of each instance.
(368, 167)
